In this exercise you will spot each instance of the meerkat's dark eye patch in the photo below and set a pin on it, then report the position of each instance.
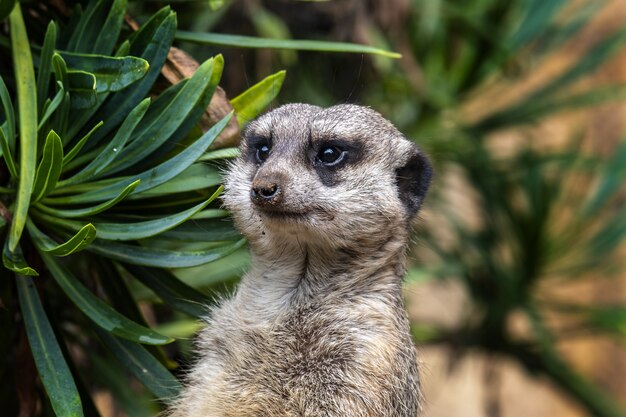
(330, 156)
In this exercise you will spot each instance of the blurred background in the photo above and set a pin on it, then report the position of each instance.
(517, 289)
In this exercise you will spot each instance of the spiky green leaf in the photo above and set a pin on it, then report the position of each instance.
(195, 177)
(79, 145)
(146, 256)
(45, 64)
(49, 168)
(144, 366)
(172, 290)
(76, 243)
(112, 149)
(254, 100)
(155, 176)
(110, 73)
(151, 42)
(49, 107)
(53, 370)
(238, 41)
(14, 261)
(165, 117)
(89, 211)
(27, 112)
(97, 310)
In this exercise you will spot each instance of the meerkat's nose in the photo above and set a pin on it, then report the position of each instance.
(267, 190)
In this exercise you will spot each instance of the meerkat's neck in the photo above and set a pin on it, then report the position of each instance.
(285, 273)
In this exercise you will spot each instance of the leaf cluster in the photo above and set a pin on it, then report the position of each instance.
(106, 183)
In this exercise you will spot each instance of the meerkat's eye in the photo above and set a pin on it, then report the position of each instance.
(331, 155)
(262, 152)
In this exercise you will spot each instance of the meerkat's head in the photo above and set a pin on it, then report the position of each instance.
(338, 176)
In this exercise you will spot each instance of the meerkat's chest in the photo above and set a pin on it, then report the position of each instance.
(314, 363)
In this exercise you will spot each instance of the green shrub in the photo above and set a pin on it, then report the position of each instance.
(108, 180)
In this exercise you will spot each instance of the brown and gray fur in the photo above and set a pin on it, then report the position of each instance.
(317, 327)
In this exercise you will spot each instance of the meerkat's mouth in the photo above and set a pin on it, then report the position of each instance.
(278, 214)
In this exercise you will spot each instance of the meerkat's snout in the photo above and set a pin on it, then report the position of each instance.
(267, 190)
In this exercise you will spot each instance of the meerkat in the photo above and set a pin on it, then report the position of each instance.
(317, 327)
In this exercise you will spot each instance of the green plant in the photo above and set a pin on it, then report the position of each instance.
(107, 180)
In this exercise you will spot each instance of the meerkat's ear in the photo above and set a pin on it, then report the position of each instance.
(413, 180)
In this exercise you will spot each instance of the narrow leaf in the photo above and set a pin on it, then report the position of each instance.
(142, 230)
(155, 176)
(161, 122)
(144, 366)
(135, 230)
(49, 168)
(79, 145)
(254, 100)
(211, 214)
(539, 14)
(110, 29)
(138, 255)
(151, 42)
(5, 8)
(53, 370)
(50, 107)
(224, 153)
(610, 179)
(172, 291)
(113, 148)
(610, 319)
(238, 41)
(27, 111)
(191, 120)
(195, 177)
(97, 310)
(99, 16)
(203, 231)
(14, 261)
(45, 64)
(76, 243)
(89, 211)
(111, 73)
(59, 68)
